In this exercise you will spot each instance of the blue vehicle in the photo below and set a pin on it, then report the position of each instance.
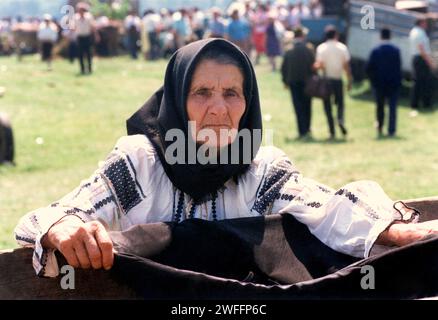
(335, 14)
(316, 27)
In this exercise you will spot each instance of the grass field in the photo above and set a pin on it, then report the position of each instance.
(64, 124)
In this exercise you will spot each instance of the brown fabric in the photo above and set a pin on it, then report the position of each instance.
(143, 240)
(274, 257)
(272, 249)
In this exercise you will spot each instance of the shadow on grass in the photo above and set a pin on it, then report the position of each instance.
(388, 138)
(308, 140)
(345, 140)
(363, 91)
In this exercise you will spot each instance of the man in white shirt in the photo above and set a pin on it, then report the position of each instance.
(132, 26)
(84, 28)
(152, 26)
(423, 65)
(47, 36)
(198, 23)
(333, 57)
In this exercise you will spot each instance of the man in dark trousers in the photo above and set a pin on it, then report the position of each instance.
(85, 29)
(423, 65)
(295, 70)
(384, 71)
(333, 58)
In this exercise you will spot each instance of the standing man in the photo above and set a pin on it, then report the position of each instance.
(152, 21)
(333, 57)
(216, 26)
(70, 35)
(295, 70)
(85, 29)
(47, 36)
(132, 28)
(198, 23)
(274, 34)
(239, 32)
(422, 64)
(384, 71)
(182, 28)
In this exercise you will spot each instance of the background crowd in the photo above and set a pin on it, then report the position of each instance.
(271, 29)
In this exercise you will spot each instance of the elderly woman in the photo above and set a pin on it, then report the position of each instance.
(211, 84)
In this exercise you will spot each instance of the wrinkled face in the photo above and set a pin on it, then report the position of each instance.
(216, 101)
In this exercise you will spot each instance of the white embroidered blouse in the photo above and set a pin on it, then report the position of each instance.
(130, 187)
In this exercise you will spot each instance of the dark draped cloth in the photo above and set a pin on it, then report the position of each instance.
(272, 257)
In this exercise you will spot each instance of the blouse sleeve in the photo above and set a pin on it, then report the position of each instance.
(348, 220)
(111, 192)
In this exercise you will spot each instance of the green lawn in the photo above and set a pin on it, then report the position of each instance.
(80, 118)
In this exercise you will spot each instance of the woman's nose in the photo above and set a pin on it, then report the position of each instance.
(217, 105)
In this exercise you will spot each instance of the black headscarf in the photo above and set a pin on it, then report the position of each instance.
(166, 110)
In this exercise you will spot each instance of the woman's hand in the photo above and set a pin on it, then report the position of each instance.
(401, 234)
(83, 245)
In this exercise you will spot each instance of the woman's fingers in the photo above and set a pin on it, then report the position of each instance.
(106, 246)
(93, 251)
(82, 255)
(96, 247)
(69, 254)
(83, 245)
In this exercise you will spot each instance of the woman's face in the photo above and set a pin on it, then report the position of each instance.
(216, 101)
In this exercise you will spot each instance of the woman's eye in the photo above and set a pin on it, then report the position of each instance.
(202, 93)
(231, 93)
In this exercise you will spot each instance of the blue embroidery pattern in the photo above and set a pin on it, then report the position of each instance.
(124, 185)
(275, 178)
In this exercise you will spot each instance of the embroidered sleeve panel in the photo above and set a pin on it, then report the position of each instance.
(122, 182)
(348, 220)
(106, 196)
(369, 197)
(132, 172)
(115, 188)
(276, 175)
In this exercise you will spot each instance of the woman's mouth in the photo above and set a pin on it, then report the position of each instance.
(215, 126)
